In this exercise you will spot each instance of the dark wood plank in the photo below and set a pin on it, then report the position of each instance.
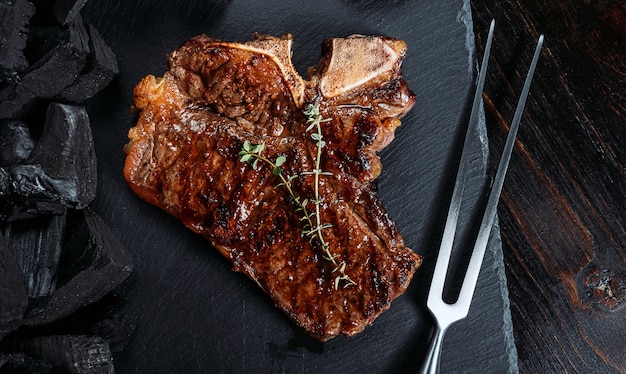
(563, 206)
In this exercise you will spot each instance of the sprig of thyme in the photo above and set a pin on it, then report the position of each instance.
(313, 225)
(314, 119)
(251, 153)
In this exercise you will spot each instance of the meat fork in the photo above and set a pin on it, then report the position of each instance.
(445, 314)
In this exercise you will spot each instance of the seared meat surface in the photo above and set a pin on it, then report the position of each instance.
(183, 157)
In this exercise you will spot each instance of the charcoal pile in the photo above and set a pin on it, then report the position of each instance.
(48, 53)
(59, 261)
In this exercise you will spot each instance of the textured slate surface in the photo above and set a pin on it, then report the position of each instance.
(190, 311)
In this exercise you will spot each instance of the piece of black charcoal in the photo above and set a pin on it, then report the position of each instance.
(93, 263)
(13, 299)
(14, 18)
(32, 182)
(18, 102)
(50, 74)
(110, 321)
(25, 209)
(77, 354)
(66, 152)
(66, 11)
(6, 187)
(100, 70)
(61, 170)
(36, 245)
(18, 362)
(59, 67)
(27, 192)
(16, 143)
(43, 38)
(106, 318)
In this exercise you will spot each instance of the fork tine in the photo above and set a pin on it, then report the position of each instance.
(445, 314)
(445, 250)
(473, 269)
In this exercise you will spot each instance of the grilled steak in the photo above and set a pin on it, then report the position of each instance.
(183, 157)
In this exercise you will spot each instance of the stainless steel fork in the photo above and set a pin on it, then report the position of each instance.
(445, 314)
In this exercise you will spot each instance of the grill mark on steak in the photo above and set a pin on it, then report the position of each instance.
(183, 158)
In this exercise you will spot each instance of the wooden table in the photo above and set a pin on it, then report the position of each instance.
(563, 208)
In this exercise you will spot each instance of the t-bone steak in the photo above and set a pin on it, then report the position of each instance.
(183, 156)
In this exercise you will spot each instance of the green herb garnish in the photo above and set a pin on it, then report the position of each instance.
(312, 223)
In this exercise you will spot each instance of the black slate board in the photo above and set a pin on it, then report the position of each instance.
(191, 313)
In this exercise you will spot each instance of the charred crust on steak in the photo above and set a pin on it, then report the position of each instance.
(183, 158)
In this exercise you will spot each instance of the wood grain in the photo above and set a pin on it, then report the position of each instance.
(563, 205)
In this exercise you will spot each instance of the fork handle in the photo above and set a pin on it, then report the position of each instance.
(431, 363)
